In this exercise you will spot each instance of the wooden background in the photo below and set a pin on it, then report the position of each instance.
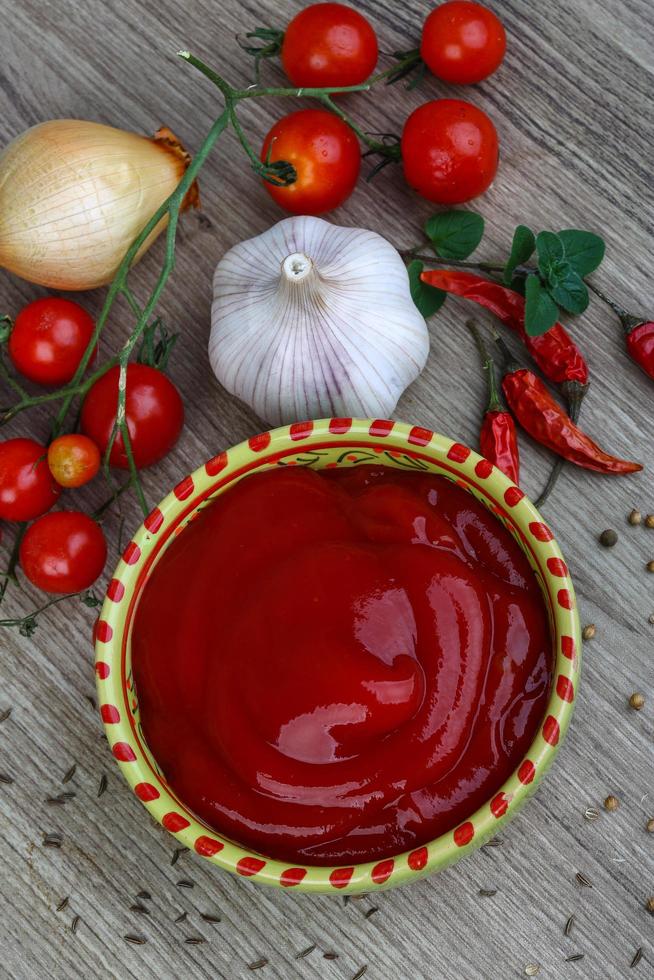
(573, 105)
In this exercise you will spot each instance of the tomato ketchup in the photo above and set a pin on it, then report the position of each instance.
(340, 665)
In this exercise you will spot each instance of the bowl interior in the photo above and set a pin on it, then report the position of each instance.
(325, 444)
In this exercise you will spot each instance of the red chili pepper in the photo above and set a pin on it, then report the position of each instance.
(640, 344)
(547, 422)
(498, 438)
(555, 353)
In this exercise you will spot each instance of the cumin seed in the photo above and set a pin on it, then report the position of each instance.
(371, 911)
(71, 772)
(185, 883)
(590, 813)
(52, 840)
(176, 854)
(638, 955)
(7, 780)
(574, 958)
(74, 924)
(195, 940)
(135, 940)
(330, 956)
(4, 715)
(141, 909)
(181, 917)
(103, 785)
(258, 964)
(359, 973)
(568, 926)
(583, 880)
(145, 896)
(62, 904)
(208, 917)
(487, 892)
(493, 842)
(305, 952)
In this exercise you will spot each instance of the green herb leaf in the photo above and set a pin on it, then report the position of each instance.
(550, 250)
(583, 250)
(427, 298)
(570, 293)
(541, 312)
(522, 249)
(455, 234)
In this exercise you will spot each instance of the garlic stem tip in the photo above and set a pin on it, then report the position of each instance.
(297, 266)
(184, 54)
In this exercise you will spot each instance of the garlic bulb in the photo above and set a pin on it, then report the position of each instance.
(311, 320)
(74, 195)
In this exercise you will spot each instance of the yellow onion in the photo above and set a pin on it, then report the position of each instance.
(74, 195)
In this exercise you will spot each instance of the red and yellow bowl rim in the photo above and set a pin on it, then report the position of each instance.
(328, 443)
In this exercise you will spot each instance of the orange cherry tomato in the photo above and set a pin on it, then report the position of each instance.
(73, 460)
(326, 156)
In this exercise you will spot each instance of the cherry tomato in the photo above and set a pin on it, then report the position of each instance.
(73, 460)
(326, 156)
(48, 340)
(27, 488)
(328, 45)
(462, 42)
(153, 411)
(449, 151)
(63, 552)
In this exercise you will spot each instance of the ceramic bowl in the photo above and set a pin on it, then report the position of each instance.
(329, 443)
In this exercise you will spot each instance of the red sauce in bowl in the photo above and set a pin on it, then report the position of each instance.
(338, 666)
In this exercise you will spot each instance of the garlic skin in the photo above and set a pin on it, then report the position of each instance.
(312, 320)
(74, 195)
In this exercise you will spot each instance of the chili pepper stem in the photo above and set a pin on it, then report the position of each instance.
(574, 393)
(10, 574)
(488, 365)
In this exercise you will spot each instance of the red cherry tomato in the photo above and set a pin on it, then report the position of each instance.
(48, 340)
(73, 460)
(27, 488)
(462, 42)
(326, 156)
(449, 151)
(153, 410)
(328, 45)
(63, 552)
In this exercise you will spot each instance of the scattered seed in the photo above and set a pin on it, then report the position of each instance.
(568, 926)
(346, 899)
(371, 911)
(71, 772)
(185, 883)
(181, 917)
(649, 520)
(487, 892)
(532, 969)
(637, 701)
(588, 632)
(208, 917)
(103, 785)
(649, 905)
(611, 803)
(145, 896)
(305, 952)
(91, 701)
(176, 854)
(608, 538)
(135, 940)
(330, 956)
(583, 880)
(650, 566)
(493, 842)
(74, 924)
(649, 826)
(195, 940)
(635, 517)
(258, 964)
(590, 813)
(359, 973)
(650, 618)
(574, 958)
(52, 840)
(7, 780)
(638, 955)
(141, 909)
(4, 715)
(62, 904)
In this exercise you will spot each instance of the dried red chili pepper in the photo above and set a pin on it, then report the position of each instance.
(554, 352)
(546, 421)
(640, 343)
(498, 438)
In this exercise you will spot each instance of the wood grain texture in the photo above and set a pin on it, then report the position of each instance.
(573, 103)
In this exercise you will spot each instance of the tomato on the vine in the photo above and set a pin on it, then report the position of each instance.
(73, 460)
(462, 42)
(450, 151)
(328, 45)
(326, 156)
(27, 488)
(48, 340)
(63, 552)
(153, 411)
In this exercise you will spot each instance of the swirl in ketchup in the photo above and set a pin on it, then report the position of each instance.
(334, 667)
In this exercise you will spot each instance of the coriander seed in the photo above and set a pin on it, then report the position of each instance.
(611, 803)
(649, 826)
(650, 618)
(635, 517)
(649, 520)
(650, 566)
(588, 632)
(637, 701)
(649, 905)
(608, 538)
